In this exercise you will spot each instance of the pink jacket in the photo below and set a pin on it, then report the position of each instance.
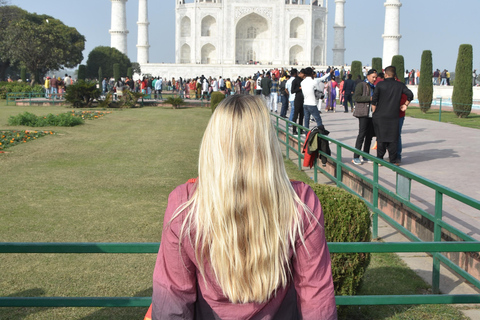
(179, 291)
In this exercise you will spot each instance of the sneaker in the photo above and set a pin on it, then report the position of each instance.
(367, 160)
(357, 161)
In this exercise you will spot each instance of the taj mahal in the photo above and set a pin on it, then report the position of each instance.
(238, 37)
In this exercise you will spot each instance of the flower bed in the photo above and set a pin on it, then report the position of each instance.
(89, 115)
(11, 138)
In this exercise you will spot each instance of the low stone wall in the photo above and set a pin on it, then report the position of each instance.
(406, 217)
(445, 92)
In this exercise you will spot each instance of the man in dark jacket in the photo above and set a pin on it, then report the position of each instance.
(266, 84)
(298, 103)
(386, 109)
(349, 90)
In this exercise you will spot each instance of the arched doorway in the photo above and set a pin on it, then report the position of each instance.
(185, 54)
(297, 28)
(209, 54)
(209, 25)
(296, 55)
(186, 27)
(253, 39)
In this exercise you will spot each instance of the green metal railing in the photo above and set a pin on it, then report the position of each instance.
(404, 177)
(31, 96)
(152, 248)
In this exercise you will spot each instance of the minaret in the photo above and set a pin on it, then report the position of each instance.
(119, 30)
(339, 40)
(143, 45)
(391, 35)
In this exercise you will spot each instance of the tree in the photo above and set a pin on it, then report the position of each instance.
(130, 72)
(42, 43)
(399, 64)
(81, 72)
(23, 74)
(8, 14)
(100, 75)
(377, 64)
(462, 87)
(116, 71)
(356, 70)
(425, 87)
(136, 68)
(106, 57)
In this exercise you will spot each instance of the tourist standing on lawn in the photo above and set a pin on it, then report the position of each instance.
(47, 87)
(242, 241)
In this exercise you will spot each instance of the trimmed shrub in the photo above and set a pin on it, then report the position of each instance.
(82, 72)
(377, 64)
(82, 94)
(356, 70)
(6, 87)
(425, 86)
(23, 74)
(216, 98)
(399, 63)
(100, 75)
(462, 89)
(130, 72)
(32, 120)
(347, 219)
(116, 71)
(174, 101)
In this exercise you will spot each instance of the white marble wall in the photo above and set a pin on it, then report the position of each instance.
(229, 22)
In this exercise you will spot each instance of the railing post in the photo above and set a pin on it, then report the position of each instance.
(440, 110)
(287, 139)
(437, 237)
(338, 165)
(375, 201)
(277, 127)
(315, 175)
(299, 145)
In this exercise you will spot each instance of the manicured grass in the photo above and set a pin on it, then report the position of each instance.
(105, 181)
(108, 181)
(472, 121)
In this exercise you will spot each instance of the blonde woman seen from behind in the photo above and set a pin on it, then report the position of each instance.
(243, 241)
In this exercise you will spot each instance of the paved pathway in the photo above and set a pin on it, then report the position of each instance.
(443, 153)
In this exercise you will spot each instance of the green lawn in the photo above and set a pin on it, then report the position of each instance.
(108, 181)
(472, 121)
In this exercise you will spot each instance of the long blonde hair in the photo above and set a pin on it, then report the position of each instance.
(243, 217)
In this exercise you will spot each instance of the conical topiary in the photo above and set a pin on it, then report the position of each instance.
(399, 63)
(425, 87)
(356, 70)
(462, 87)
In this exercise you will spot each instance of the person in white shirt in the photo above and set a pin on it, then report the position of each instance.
(259, 86)
(215, 85)
(291, 97)
(309, 100)
(158, 88)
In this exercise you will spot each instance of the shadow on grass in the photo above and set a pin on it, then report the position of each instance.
(386, 280)
(121, 313)
(22, 313)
